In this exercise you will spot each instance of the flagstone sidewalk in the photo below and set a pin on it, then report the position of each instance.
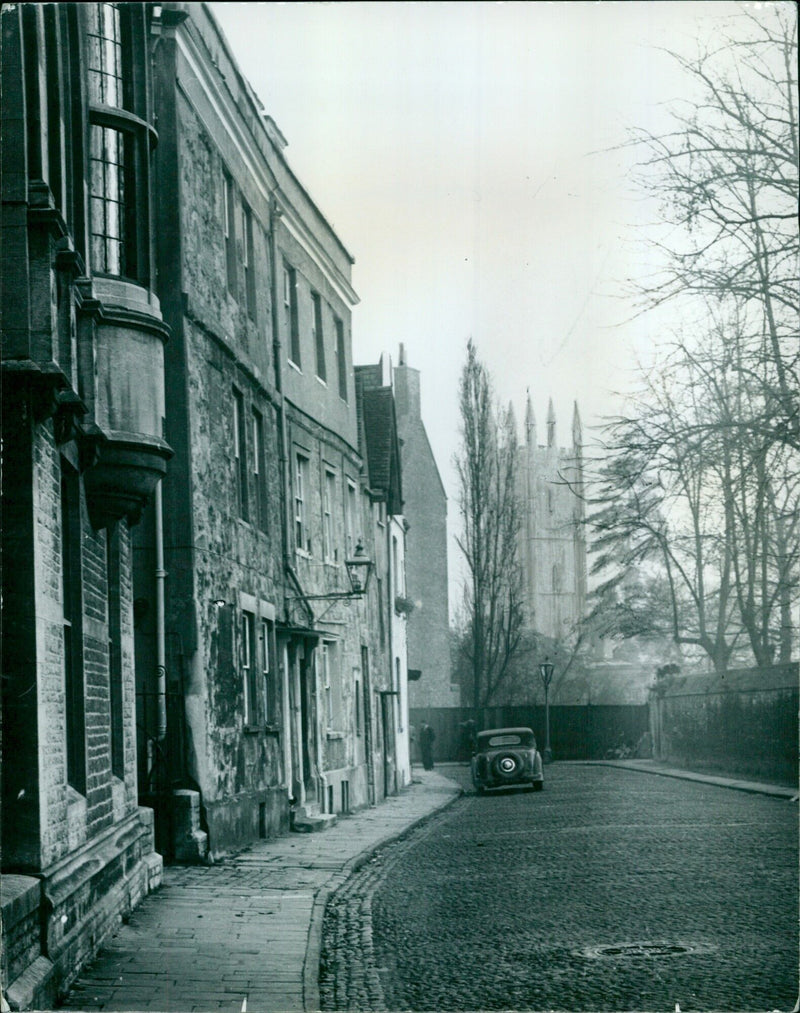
(245, 934)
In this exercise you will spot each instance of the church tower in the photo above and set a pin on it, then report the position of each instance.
(553, 553)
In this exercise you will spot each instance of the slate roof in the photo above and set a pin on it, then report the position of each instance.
(377, 425)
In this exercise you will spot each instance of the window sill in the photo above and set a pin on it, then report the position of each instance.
(302, 553)
(321, 381)
(294, 365)
(259, 729)
(335, 736)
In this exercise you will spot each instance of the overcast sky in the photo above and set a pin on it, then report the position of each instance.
(462, 151)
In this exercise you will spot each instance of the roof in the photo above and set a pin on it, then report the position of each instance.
(505, 731)
(378, 432)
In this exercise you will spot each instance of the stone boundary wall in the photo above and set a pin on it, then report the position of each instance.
(744, 722)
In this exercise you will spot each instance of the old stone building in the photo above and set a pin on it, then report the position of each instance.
(210, 696)
(553, 549)
(195, 490)
(83, 450)
(425, 509)
(259, 694)
(381, 449)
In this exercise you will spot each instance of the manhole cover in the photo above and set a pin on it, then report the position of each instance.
(639, 950)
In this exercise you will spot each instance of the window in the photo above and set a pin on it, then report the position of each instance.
(247, 260)
(112, 183)
(115, 654)
(290, 324)
(247, 666)
(118, 147)
(549, 499)
(239, 450)
(397, 568)
(302, 539)
(229, 230)
(105, 39)
(397, 689)
(267, 655)
(325, 661)
(71, 598)
(340, 360)
(357, 703)
(350, 508)
(381, 606)
(331, 554)
(259, 472)
(556, 579)
(316, 334)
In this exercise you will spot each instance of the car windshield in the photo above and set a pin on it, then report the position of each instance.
(524, 739)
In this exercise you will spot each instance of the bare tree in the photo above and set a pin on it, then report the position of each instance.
(486, 467)
(699, 488)
(727, 176)
(705, 508)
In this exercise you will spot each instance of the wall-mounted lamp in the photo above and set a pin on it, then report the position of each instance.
(359, 568)
(219, 603)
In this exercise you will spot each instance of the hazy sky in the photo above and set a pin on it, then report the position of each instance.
(462, 151)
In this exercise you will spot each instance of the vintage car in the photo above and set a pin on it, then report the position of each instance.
(506, 758)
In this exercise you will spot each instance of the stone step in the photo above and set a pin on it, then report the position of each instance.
(309, 823)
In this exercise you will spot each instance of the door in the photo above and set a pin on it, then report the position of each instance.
(368, 738)
(306, 674)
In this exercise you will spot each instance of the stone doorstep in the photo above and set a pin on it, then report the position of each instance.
(35, 988)
(313, 823)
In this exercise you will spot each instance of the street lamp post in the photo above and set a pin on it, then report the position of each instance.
(546, 674)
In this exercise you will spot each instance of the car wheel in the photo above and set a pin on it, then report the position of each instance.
(507, 766)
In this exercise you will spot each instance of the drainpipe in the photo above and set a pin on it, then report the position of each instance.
(161, 654)
(289, 732)
(274, 215)
(392, 593)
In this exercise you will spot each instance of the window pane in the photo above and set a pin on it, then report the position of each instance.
(105, 55)
(111, 177)
(319, 341)
(341, 363)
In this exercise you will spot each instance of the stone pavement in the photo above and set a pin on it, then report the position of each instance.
(245, 934)
(664, 770)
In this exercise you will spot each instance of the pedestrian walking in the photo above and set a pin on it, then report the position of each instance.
(426, 738)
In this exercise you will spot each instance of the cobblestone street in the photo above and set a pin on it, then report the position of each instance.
(612, 890)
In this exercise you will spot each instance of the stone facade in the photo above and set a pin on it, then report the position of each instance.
(553, 550)
(270, 677)
(379, 439)
(220, 531)
(83, 403)
(425, 510)
(186, 664)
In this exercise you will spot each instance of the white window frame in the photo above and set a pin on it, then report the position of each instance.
(350, 509)
(331, 554)
(247, 660)
(301, 470)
